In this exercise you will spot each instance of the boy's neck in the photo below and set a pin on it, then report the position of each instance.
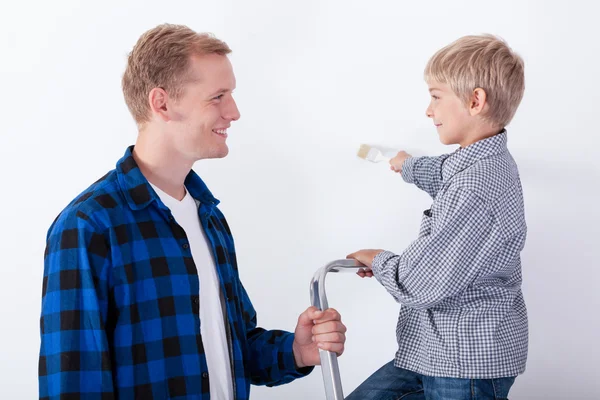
(479, 134)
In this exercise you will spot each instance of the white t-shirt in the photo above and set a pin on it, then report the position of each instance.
(212, 326)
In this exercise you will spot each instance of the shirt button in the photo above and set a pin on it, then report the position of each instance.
(186, 246)
(196, 300)
(205, 375)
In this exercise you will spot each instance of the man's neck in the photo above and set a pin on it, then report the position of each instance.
(162, 166)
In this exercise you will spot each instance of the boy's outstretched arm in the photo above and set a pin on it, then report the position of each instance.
(425, 172)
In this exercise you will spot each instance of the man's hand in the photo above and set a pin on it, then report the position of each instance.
(365, 257)
(318, 330)
(398, 160)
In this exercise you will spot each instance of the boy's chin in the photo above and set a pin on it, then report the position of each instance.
(448, 140)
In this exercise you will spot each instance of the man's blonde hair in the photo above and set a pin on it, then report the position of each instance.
(161, 58)
(486, 62)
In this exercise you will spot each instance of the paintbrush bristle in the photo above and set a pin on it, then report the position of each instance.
(363, 151)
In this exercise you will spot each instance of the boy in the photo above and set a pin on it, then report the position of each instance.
(462, 328)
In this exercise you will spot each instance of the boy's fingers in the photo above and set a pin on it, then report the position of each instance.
(354, 257)
(365, 273)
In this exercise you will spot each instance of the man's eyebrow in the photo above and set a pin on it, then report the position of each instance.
(221, 91)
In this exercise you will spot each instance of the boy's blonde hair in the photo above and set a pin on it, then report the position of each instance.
(486, 62)
(161, 58)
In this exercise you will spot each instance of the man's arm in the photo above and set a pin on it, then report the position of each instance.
(74, 355)
(277, 357)
(272, 361)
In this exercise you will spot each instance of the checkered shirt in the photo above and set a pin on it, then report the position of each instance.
(120, 300)
(462, 311)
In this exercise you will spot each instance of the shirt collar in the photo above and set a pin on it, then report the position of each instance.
(465, 157)
(139, 194)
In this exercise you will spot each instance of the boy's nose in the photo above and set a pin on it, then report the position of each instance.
(428, 112)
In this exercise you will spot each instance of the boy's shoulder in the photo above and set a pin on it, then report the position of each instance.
(496, 181)
(490, 178)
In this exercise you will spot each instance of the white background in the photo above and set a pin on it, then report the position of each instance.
(316, 79)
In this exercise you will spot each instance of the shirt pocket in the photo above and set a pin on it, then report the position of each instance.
(426, 223)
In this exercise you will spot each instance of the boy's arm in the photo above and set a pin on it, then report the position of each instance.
(450, 251)
(424, 172)
(74, 356)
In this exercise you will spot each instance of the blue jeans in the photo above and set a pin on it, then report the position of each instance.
(393, 383)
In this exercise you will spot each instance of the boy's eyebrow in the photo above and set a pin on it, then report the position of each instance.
(432, 89)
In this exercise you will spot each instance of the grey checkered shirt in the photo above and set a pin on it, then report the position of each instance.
(459, 282)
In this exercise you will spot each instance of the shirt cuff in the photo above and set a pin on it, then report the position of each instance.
(380, 260)
(407, 169)
(289, 361)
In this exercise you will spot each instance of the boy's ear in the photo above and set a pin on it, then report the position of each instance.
(478, 102)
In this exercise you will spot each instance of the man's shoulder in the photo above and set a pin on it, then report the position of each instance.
(91, 204)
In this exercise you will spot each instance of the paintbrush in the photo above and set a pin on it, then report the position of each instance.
(372, 154)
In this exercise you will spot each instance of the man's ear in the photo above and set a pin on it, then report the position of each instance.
(158, 99)
(478, 102)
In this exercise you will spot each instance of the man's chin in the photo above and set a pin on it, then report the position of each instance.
(223, 152)
(220, 153)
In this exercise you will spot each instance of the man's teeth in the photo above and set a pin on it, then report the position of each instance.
(220, 131)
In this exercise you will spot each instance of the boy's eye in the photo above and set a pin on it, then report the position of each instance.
(435, 97)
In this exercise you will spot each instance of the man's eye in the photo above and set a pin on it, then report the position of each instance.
(218, 97)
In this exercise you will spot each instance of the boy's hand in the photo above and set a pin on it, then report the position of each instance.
(365, 257)
(398, 160)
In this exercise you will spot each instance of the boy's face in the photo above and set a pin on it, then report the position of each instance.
(450, 114)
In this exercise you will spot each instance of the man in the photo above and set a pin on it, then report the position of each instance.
(141, 294)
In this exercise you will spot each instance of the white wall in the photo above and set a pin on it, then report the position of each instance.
(316, 79)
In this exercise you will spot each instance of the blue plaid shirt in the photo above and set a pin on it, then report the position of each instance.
(120, 300)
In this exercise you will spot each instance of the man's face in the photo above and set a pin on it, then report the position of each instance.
(449, 114)
(200, 117)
